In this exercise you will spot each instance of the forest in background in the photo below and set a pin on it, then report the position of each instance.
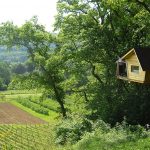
(80, 67)
(13, 55)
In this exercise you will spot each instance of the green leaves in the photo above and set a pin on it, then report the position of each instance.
(93, 34)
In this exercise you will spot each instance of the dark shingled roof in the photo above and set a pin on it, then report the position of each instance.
(143, 55)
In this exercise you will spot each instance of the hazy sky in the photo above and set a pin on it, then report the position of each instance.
(19, 11)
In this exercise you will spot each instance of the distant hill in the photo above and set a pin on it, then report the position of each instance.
(17, 55)
(13, 55)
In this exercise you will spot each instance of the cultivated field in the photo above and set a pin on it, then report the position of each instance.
(19, 130)
(10, 114)
(26, 137)
(21, 127)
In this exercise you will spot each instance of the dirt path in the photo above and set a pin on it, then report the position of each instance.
(10, 114)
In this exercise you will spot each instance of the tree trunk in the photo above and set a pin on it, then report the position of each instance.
(63, 109)
(60, 101)
(57, 95)
(96, 75)
(85, 96)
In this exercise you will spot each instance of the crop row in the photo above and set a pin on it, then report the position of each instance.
(45, 104)
(35, 107)
(26, 137)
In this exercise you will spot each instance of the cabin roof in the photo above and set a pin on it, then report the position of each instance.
(143, 55)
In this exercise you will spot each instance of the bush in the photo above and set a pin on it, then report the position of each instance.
(71, 130)
(113, 139)
(85, 134)
(104, 137)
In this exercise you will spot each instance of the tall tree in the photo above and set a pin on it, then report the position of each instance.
(5, 75)
(96, 33)
(47, 59)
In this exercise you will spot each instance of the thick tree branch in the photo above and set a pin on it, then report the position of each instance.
(81, 91)
(144, 5)
(95, 74)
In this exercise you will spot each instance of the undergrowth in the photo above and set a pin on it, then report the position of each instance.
(83, 134)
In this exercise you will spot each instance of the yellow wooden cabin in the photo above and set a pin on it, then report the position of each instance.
(135, 66)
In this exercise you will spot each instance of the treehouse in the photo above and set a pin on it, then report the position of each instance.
(135, 66)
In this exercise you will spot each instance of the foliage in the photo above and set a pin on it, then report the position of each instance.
(71, 130)
(13, 55)
(23, 82)
(79, 61)
(30, 67)
(99, 135)
(93, 34)
(5, 76)
(116, 138)
(18, 69)
(47, 59)
(49, 103)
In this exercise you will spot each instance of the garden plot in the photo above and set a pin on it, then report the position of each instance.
(10, 114)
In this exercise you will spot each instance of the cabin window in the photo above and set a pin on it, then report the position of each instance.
(135, 69)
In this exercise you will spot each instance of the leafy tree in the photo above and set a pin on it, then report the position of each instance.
(18, 69)
(29, 66)
(4, 75)
(95, 33)
(48, 61)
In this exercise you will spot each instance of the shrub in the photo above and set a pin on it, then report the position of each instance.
(104, 137)
(113, 139)
(70, 130)
(84, 134)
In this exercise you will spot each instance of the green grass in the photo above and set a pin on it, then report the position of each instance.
(48, 103)
(141, 144)
(11, 92)
(14, 94)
